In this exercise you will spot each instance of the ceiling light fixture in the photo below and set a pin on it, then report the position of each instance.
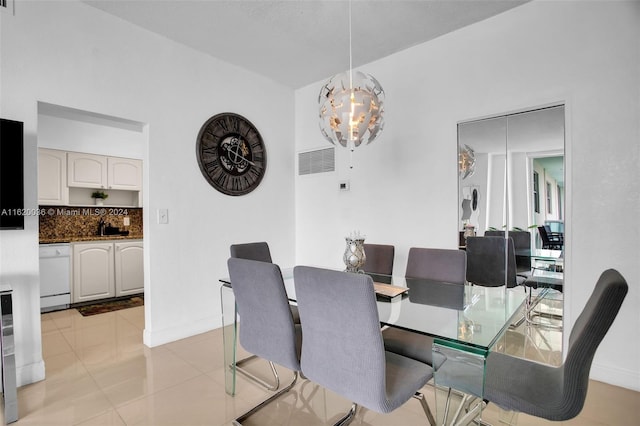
(466, 161)
(351, 106)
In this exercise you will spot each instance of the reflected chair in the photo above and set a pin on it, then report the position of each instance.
(267, 329)
(343, 350)
(379, 259)
(522, 247)
(258, 251)
(558, 393)
(486, 260)
(433, 264)
(550, 240)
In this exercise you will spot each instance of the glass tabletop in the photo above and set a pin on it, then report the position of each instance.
(474, 316)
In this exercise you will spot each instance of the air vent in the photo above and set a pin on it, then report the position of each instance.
(319, 161)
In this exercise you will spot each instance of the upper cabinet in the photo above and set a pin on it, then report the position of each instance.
(100, 172)
(69, 178)
(52, 177)
(86, 170)
(124, 173)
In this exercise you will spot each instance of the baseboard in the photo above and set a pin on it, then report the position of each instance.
(182, 331)
(616, 376)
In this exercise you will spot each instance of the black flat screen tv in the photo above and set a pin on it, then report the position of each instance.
(11, 174)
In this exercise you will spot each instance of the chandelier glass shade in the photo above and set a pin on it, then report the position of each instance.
(351, 109)
(466, 161)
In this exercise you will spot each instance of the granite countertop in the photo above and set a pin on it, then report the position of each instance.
(88, 238)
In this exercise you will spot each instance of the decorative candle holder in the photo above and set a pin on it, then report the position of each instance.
(354, 256)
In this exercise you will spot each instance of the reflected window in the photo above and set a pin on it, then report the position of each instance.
(549, 198)
(559, 202)
(536, 192)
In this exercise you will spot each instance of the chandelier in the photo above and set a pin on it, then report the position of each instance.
(466, 161)
(351, 106)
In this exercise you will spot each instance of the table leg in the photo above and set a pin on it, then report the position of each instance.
(462, 370)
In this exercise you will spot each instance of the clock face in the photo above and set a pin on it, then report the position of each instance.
(231, 154)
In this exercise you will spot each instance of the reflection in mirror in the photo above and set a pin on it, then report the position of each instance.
(517, 182)
(511, 181)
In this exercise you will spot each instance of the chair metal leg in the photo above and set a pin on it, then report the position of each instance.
(472, 414)
(239, 420)
(348, 418)
(446, 407)
(256, 379)
(425, 406)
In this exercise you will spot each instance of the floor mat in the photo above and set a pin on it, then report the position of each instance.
(113, 305)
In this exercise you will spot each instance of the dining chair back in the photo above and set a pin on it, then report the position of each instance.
(431, 264)
(342, 349)
(379, 258)
(266, 327)
(522, 247)
(486, 261)
(437, 264)
(558, 393)
(254, 251)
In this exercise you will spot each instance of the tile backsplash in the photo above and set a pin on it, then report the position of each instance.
(67, 222)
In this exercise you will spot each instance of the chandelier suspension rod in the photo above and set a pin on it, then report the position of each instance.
(350, 52)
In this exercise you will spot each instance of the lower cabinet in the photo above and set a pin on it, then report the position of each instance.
(107, 269)
(129, 267)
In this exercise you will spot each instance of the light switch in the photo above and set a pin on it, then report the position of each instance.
(163, 216)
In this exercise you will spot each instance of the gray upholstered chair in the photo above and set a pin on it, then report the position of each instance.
(486, 259)
(379, 258)
(342, 348)
(522, 247)
(266, 324)
(558, 393)
(257, 251)
(254, 251)
(426, 263)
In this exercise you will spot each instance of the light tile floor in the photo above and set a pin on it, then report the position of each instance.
(100, 373)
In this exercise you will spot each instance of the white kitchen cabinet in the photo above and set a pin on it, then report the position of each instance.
(52, 177)
(129, 268)
(107, 269)
(124, 173)
(101, 172)
(93, 271)
(86, 170)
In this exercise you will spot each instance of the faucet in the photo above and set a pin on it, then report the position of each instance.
(101, 227)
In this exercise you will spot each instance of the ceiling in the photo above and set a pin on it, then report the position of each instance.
(300, 42)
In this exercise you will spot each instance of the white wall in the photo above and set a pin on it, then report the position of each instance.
(404, 185)
(78, 133)
(70, 54)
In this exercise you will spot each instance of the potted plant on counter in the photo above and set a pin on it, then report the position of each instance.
(99, 196)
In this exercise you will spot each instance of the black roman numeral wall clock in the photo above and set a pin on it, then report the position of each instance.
(231, 154)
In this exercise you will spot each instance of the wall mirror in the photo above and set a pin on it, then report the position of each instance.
(511, 176)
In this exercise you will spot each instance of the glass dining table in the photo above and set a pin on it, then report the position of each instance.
(465, 322)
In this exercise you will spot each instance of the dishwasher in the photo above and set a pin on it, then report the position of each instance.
(55, 276)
